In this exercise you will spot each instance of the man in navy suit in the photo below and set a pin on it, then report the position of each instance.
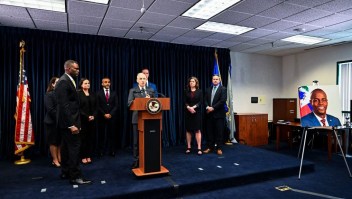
(107, 105)
(139, 91)
(318, 116)
(148, 84)
(215, 99)
(69, 123)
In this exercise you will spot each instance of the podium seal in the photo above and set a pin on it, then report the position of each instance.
(153, 106)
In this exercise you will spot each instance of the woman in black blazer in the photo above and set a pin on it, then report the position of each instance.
(88, 112)
(53, 136)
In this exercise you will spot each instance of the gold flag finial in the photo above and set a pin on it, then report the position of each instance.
(22, 43)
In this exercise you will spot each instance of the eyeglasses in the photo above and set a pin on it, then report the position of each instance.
(316, 100)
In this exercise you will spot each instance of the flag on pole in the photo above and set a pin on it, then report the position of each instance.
(24, 135)
(230, 118)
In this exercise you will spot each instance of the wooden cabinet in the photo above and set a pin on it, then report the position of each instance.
(252, 128)
(284, 109)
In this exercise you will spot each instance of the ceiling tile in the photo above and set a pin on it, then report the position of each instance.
(281, 25)
(173, 31)
(85, 20)
(336, 5)
(16, 22)
(277, 36)
(197, 34)
(283, 10)
(331, 20)
(186, 22)
(112, 32)
(123, 14)
(149, 28)
(256, 21)
(84, 29)
(260, 5)
(48, 15)
(308, 15)
(230, 17)
(258, 33)
(185, 40)
(169, 7)
(241, 46)
(155, 18)
(163, 37)
(86, 8)
(207, 42)
(308, 3)
(224, 44)
(240, 39)
(139, 35)
(51, 25)
(120, 24)
(220, 36)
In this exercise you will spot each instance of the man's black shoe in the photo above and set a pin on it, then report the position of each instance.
(112, 154)
(80, 181)
(135, 164)
(63, 176)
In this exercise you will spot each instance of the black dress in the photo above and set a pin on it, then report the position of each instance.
(193, 121)
(87, 108)
(53, 136)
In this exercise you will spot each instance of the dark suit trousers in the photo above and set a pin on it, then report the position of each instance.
(214, 131)
(107, 135)
(70, 149)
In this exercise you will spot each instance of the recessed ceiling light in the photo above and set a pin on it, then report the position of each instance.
(303, 39)
(205, 9)
(52, 5)
(98, 1)
(223, 28)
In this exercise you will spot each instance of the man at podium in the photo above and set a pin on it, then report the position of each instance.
(139, 91)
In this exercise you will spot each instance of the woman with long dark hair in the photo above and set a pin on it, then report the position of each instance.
(53, 136)
(88, 114)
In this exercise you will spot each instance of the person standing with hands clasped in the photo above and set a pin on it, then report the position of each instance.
(215, 99)
(88, 115)
(193, 117)
(139, 91)
(69, 123)
(107, 118)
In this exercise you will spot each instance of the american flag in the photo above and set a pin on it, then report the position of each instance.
(24, 135)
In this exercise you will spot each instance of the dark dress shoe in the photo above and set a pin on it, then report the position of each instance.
(112, 154)
(80, 181)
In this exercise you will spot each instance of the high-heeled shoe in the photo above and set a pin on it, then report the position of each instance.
(188, 151)
(199, 152)
(89, 160)
(55, 165)
(84, 161)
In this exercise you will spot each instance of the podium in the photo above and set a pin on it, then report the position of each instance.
(149, 134)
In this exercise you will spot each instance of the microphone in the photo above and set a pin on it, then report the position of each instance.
(156, 93)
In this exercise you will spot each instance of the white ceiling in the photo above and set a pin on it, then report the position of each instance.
(273, 20)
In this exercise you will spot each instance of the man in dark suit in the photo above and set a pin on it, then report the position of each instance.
(69, 123)
(107, 104)
(148, 84)
(319, 117)
(139, 91)
(215, 99)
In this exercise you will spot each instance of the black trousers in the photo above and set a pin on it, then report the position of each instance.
(70, 149)
(214, 132)
(107, 135)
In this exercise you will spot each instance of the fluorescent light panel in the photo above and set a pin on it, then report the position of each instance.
(98, 1)
(302, 39)
(223, 28)
(205, 9)
(52, 5)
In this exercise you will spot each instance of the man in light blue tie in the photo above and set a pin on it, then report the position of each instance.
(215, 99)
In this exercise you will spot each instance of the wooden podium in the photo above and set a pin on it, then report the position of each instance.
(149, 135)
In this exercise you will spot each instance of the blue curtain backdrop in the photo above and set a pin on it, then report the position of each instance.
(120, 59)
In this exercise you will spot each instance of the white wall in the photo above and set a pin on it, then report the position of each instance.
(253, 76)
(279, 77)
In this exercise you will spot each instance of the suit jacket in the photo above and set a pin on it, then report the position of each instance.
(150, 85)
(50, 108)
(136, 93)
(88, 105)
(107, 107)
(310, 120)
(219, 101)
(68, 113)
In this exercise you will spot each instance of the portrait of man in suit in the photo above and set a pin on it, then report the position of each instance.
(318, 116)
